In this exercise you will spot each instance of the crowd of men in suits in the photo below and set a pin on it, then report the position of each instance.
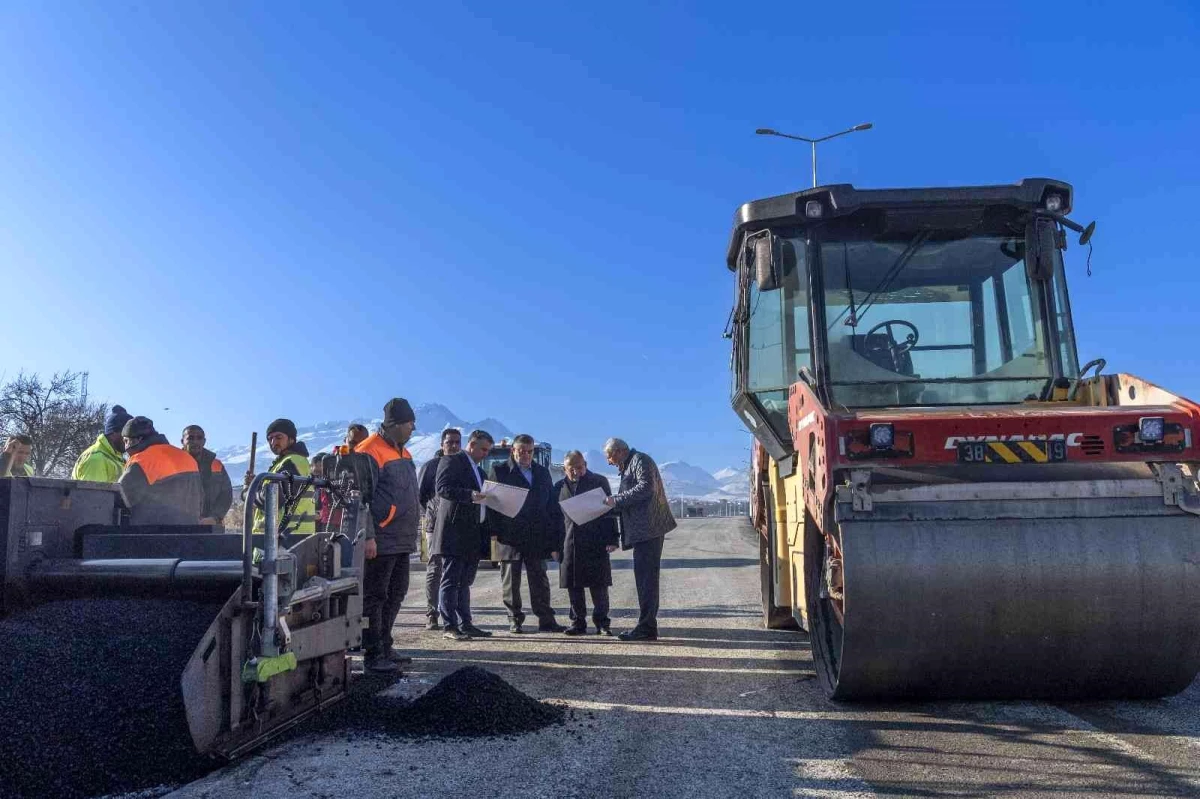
(449, 494)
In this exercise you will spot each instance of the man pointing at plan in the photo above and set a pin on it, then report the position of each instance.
(459, 536)
(645, 519)
(528, 538)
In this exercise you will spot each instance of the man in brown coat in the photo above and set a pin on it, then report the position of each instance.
(645, 520)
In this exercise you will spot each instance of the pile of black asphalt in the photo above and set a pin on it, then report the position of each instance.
(468, 703)
(90, 702)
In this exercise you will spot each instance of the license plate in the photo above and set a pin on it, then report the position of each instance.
(1012, 451)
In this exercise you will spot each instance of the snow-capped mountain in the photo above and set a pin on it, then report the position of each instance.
(734, 481)
(432, 419)
(680, 479)
(684, 480)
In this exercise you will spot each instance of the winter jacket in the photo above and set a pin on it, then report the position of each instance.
(642, 501)
(585, 561)
(303, 518)
(218, 490)
(161, 484)
(395, 509)
(537, 530)
(99, 463)
(457, 530)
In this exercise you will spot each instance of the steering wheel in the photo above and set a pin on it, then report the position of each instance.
(897, 348)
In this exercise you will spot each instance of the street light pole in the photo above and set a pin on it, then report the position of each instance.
(814, 142)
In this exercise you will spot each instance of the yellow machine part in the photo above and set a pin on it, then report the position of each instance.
(788, 543)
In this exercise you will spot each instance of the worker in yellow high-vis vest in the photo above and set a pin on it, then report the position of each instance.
(291, 457)
(104, 461)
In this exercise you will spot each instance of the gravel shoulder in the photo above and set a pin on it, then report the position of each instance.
(719, 707)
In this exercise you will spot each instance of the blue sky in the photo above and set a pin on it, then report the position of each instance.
(243, 211)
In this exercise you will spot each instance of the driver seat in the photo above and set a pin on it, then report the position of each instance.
(877, 348)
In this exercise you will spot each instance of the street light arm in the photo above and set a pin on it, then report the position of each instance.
(767, 132)
(855, 129)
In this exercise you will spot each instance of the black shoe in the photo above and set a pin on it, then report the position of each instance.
(455, 634)
(576, 631)
(397, 658)
(432, 624)
(638, 635)
(552, 627)
(379, 664)
(603, 631)
(515, 628)
(473, 631)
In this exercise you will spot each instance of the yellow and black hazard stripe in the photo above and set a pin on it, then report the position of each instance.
(1017, 452)
(1011, 452)
(1020, 451)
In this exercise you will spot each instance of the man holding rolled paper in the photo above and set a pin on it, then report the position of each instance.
(589, 540)
(527, 539)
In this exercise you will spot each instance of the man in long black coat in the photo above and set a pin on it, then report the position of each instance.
(529, 538)
(459, 535)
(586, 548)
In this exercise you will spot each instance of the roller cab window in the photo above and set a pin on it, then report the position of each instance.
(939, 317)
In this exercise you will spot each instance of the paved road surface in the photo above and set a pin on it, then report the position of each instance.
(720, 707)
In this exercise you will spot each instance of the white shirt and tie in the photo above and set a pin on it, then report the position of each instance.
(479, 482)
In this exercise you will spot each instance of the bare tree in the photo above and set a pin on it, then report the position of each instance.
(55, 414)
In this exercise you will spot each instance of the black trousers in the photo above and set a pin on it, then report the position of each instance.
(647, 559)
(454, 596)
(433, 585)
(539, 590)
(385, 583)
(599, 606)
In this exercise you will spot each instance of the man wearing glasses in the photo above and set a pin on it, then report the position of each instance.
(534, 534)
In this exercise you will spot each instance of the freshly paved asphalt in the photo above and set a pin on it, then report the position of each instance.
(720, 707)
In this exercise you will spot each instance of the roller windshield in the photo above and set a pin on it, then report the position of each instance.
(938, 318)
(911, 317)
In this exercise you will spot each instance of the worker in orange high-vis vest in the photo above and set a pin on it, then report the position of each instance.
(392, 535)
(161, 483)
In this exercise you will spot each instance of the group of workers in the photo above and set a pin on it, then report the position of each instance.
(187, 485)
(160, 483)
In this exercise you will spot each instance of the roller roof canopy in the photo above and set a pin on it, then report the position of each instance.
(842, 199)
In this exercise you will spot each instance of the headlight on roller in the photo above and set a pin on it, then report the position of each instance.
(883, 436)
(1151, 429)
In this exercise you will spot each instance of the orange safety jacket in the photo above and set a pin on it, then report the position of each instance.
(161, 484)
(395, 507)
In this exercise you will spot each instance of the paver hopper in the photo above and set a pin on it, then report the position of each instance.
(276, 651)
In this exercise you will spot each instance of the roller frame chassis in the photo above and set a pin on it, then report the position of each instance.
(819, 483)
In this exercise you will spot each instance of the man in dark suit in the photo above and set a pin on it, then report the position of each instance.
(459, 536)
(534, 534)
(585, 553)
